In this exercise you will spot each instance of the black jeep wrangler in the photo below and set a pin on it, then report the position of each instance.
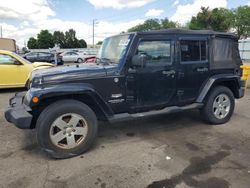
(135, 75)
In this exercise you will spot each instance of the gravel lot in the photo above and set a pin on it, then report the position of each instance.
(176, 150)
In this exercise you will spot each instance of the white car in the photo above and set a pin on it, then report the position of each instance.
(72, 57)
(77, 57)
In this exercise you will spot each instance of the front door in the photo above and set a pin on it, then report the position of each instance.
(11, 74)
(154, 83)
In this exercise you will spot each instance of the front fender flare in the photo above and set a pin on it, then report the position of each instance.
(69, 90)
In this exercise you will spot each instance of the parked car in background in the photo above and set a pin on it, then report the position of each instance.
(15, 70)
(89, 54)
(90, 59)
(39, 57)
(72, 56)
(42, 57)
(77, 57)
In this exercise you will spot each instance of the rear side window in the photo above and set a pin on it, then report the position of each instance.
(223, 50)
(44, 54)
(193, 50)
(157, 52)
(31, 55)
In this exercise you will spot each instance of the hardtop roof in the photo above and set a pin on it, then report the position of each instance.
(189, 32)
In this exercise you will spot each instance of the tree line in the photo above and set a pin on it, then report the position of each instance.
(46, 40)
(218, 19)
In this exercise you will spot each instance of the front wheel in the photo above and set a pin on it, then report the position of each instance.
(219, 105)
(66, 128)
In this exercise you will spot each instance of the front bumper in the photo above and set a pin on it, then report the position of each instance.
(18, 113)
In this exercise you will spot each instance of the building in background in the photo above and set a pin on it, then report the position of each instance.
(8, 44)
(244, 47)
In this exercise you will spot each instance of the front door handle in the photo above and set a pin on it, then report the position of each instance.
(131, 71)
(168, 73)
(181, 75)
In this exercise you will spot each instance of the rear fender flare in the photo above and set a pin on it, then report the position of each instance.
(216, 80)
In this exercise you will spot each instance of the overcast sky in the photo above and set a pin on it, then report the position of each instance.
(21, 19)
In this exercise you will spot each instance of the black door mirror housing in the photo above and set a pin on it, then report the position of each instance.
(139, 60)
(17, 63)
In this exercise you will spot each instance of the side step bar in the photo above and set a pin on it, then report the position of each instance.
(167, 110)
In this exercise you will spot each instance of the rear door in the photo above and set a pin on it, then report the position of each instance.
(193, 69)
(42, 57)
(66, 56)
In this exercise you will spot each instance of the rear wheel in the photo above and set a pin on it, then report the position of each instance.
(219, 105)
(66, 128)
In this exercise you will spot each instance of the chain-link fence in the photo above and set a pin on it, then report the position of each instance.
(244, 47)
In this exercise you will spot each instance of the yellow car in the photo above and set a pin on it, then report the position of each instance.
(15, 70)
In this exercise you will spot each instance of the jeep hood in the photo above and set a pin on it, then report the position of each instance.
(67, 74)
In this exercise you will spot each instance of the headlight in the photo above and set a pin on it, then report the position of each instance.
(37, 81)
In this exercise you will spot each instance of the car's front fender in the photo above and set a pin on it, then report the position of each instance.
(64, 91)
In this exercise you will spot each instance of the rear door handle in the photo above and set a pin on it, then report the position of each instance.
(201, 69)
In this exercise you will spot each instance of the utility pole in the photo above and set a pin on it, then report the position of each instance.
(1, 31)
(94, 23)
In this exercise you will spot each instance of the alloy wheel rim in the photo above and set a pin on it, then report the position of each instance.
(221, 106)
(68, 131)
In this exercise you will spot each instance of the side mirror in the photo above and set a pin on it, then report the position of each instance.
(139, 60)
(17, 63)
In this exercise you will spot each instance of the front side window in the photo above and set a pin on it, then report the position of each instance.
(6, 60)
(157, 52)
(193, 50)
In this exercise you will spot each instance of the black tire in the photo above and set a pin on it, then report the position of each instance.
(27, 84)
(57, 109)
(79, 60)
(208, 110)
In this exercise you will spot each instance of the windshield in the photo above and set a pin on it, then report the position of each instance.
(113, 49)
